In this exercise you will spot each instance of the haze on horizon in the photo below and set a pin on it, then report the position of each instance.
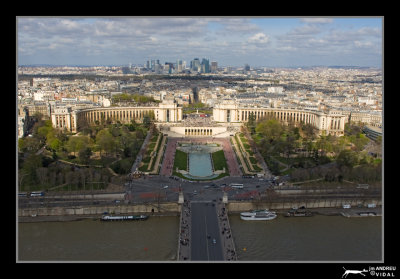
(231, 41)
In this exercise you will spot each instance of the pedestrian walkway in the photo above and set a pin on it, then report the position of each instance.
(159, 156)
(169, 156)
(228, 244)
(184, 233)
(258, 156)
(141, 151)
(240, 156)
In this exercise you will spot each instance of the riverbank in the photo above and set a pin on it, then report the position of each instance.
(352, 212)
(64, 218)
(70, 218)
(88, 211)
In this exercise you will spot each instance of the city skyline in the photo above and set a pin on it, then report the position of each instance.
(231, 41)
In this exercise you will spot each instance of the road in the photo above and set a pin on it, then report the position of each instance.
(153, 189)
(205, 229)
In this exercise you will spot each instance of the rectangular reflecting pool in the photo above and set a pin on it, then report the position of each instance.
(200, 164)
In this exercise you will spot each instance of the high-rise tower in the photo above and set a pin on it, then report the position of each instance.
(205, 66)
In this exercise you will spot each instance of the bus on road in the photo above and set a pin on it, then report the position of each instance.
(236, 185)
(37, 194)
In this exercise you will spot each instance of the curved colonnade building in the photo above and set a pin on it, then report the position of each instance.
(331, 122)
(73, 120)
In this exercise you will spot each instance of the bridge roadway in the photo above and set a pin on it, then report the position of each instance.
(205, 234)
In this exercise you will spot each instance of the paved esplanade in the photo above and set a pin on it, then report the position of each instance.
(206, 242)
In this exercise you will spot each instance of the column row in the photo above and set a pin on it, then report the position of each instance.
(121, 115)
(244, 115)
(198, 132)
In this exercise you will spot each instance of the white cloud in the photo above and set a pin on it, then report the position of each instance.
(232, 26)
(259, 38)
(366, 44)
(308, 29)
(167, 38)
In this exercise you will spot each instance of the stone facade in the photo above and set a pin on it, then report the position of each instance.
(198, 131)
(72, 120)
(331, 122)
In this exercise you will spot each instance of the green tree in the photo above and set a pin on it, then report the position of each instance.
(146, 121)
(29, 144)
(77, 143)
(84, 155)
(347, 158)
(360, 141)
(271, 129)
(125, 140)
(289, 145)
(364, 158)
(105, 141)
(55, 144)
(115, 131)
(31, 163)
(324, 145)
(251, 123)
(308, 131)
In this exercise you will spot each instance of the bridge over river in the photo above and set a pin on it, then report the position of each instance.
(205, 233)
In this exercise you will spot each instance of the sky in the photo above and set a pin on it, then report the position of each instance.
(231, 41)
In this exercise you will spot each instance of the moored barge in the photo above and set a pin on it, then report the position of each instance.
(298, 212)
(261, 215)
(124, 218)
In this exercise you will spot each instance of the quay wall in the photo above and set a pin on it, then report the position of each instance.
(98, 210)
(239, 206)
(175, 208)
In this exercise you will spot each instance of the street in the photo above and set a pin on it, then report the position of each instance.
(205, 235)
(158, 189)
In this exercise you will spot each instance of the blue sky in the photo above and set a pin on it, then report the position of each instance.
(231, 41)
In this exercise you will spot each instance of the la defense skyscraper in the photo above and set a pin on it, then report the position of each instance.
(195, 65)
(205, 66)
(214, 66)
(180, 65)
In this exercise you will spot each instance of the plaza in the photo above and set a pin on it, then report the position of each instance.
(192, 145)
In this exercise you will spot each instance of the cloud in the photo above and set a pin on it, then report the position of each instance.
(366, 44)
(317, 20)
(308, 29)
(238, 26)
(136, 39)
(352, 35)
(259, 38)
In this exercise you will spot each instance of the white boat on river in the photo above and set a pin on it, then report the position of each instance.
(259, 215)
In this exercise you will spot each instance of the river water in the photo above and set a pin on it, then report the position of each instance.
(317, 238)
(155, 239)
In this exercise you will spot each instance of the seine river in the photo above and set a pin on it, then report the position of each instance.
(318, 238)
